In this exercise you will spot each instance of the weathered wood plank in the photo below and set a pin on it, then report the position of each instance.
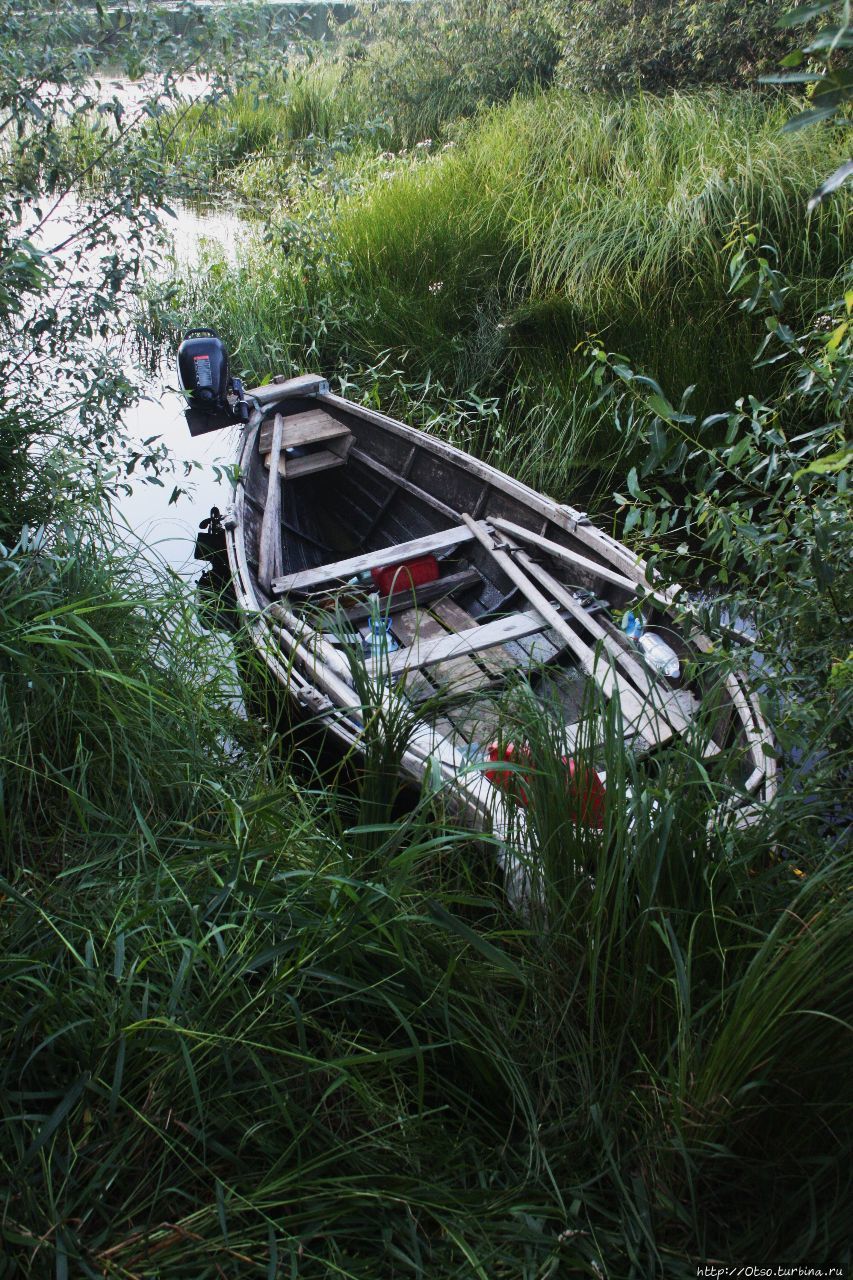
(291, 468)
(402, 483)
(314, 426)
(457, 675)
(566, 517)
(269, 548)
(443, 645)
(563, 553)
(637, 714)
(397, 554)
(496, 661)
(652, 692)
(306, 384)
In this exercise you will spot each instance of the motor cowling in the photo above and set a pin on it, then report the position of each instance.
(203, 370)
(215, 399)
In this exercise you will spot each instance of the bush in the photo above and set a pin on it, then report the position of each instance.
(429, 63)
(657, 45)
(755, 501)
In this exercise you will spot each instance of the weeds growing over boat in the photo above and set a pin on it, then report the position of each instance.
(238, 1033)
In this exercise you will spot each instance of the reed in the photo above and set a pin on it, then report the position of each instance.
(268, 115)
(481, 268)
(253, 1021)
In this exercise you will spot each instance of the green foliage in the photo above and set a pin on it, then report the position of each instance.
(484, 265)
(247, 1025)
(79, 209)
(428, 63)
(757, 499)
(106, 716)
(823, 65)
(255, 1021)
(283, 115)
(623, 45)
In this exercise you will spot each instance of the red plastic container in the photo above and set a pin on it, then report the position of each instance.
(406, 576)
(586, 792)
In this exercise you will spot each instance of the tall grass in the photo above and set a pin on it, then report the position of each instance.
(259, 1019)
(486, 266)
(240, 1036)
(264, 117)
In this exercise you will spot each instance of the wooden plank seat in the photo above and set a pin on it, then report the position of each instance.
(309, 428)
(443, 645)
(308, 579)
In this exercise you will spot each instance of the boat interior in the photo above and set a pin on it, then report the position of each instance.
(357, 517)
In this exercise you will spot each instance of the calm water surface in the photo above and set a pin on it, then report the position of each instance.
(169, 530)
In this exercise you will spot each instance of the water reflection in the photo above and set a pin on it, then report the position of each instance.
(168, 529)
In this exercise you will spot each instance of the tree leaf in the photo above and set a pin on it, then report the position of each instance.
(830, 184)
(806, 118)
(661, 406)
(833, 38)
(803, 13)
(836, 336)
(802, 77)
(829, 465)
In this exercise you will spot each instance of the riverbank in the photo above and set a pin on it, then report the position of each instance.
(246, 1028)
(260, 1019)
(482, 267)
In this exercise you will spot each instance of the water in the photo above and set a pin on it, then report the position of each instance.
(168, 529)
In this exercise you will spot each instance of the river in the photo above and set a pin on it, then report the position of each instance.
(168, 530)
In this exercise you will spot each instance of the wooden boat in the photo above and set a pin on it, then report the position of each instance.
(332, 495)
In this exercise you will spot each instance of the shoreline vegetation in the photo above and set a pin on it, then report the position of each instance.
(261, 1017)
(485, 264)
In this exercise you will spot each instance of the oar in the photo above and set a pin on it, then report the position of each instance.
(635, 712)
(563, 553)
(653, 694)
(269, 551)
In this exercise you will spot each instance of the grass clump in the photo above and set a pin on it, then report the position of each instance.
(242, 1033)
(488, 263)
(271, 112)
(215, 1026)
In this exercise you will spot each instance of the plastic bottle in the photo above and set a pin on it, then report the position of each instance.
(660, 655)
(633, 625)
(379, 639)
(654, 648)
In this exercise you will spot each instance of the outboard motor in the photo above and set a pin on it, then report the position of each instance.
(216, 400)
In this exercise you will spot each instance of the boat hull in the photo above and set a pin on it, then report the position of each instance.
(359, 488)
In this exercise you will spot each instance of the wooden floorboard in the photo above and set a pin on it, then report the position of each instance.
(496, 661)
(457, 675)
(435, 644)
